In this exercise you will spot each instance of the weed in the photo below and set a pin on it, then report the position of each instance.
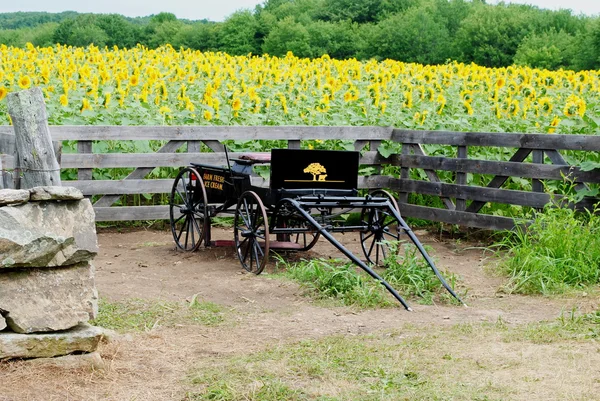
(332, 279)
(412, 276)
(144, 315)
(333, 368)
(558, 252)
(568, 326)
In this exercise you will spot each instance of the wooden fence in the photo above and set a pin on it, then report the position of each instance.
(462, 202)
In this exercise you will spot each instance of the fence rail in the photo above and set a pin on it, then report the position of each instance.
(462, 202)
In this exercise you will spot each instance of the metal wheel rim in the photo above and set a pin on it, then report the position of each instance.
(190, 235)
(371, 240)
(250, 227)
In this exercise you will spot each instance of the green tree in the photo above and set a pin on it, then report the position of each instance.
(238, 34)
(288, 35)
(41, 35)
(587, 53)
(80, 31)
(361, 11)
(301, 10)
(198, 36)
(118, 30)
(419, 35)
(490, 35)
(337, 39)
(551, 50)
(161, 30)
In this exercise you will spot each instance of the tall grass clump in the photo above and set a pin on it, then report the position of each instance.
(558, 252)
(411, 275)
(332, 279)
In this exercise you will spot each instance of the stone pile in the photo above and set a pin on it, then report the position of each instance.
(47, 291)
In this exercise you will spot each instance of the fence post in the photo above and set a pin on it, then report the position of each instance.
(37, 160)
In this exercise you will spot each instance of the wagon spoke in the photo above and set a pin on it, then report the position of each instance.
(246, 248)
(179, 218)
(187, 231)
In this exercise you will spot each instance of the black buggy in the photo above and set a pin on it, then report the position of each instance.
(307, 196)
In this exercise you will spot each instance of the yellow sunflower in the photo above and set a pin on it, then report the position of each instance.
(236, 104)
(3, 92)
(134, 80)
(24, 82)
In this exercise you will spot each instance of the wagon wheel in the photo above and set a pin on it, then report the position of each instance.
(381, 226)
(288, 218)
(187, 209)
(251, 232)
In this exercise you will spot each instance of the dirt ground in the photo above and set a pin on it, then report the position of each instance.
(267, 311)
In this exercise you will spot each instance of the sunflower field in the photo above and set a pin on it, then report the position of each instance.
(165, 86)
(141, 86)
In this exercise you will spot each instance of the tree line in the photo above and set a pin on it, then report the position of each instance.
(422, 31)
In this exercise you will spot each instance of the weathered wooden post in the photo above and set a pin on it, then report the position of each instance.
(37, 160)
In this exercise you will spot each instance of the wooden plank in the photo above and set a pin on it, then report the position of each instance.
(510, 140)
(8, 161)
(538, 158)
(2, 176)
(38, 162)
(151, 160)
(139, 173)
(455, 217)
(220, 133)
(374, 145)
(360, 145)
(193, 146)
(130, 213)
(405, 172)
(215, 146)
(461, 178)
(84, 147)
(556, 158)
(122, 187)
(526, 170)
(422, 212)
(499, 180)
(294, 144)
(7, 142)
(484, 194)
(376, 182)
(157, 186)
(433, 177)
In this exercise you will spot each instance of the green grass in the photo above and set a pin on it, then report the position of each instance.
(143, 315)
(569, 326)
(331, 279)
(558, 252)
(411, 275)
(462, 362)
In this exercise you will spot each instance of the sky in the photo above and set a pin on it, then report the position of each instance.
(217, 10)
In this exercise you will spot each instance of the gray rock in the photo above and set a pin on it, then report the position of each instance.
(51, 299)
(83, 338)
(92, 360)
(40, 234)
(55, 193)
(13, 196)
